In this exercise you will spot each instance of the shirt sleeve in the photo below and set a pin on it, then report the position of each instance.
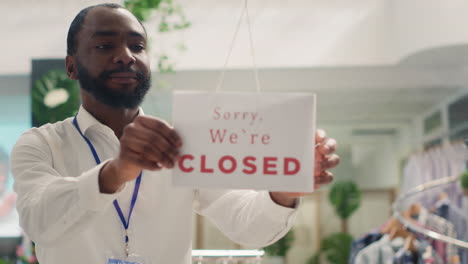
(53, 207)
(368, 255)
(249, 218)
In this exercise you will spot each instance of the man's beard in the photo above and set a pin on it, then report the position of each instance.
(115, 99)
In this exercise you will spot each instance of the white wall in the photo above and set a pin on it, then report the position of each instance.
(368, 39)
(290, 34)
(380, 168)
(421, 24)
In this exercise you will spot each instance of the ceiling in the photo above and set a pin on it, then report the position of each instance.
(343, 50)
(299, 33)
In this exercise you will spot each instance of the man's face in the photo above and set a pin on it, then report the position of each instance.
(111, 59)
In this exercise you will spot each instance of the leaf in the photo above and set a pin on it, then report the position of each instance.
(181, 47)
(163, 26)
(336, 247)
(464, 180)
(345, 196)
(55, 79)
(168, 10)
(315, 259)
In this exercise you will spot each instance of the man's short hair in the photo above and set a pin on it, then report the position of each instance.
(77, 24)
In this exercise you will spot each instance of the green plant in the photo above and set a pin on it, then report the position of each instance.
(345, 196)
(142, 9)
(315, 259)
(172, 18)
(171, 14)
(54, 98)
(336, 247)
(464, 180)
(280, 247)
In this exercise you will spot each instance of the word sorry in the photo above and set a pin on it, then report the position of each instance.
(251, 117)
(248, 165)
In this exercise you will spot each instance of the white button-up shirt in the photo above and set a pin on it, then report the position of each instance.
(63, 212)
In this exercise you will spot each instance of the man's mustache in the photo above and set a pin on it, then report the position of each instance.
(106, 74)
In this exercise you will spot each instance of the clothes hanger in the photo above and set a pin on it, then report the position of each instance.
(413, 211)
(409, 243)
(455, 260)
(440, 197)
(399, 231)
(396, 229)
(390, 225)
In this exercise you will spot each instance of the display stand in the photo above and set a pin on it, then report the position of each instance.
(398, 207)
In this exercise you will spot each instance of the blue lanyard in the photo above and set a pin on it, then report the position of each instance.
(116, 204)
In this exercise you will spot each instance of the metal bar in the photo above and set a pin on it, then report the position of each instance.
(227, 253)
(397, 207)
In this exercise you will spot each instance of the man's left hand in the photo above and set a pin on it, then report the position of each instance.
(325, 159)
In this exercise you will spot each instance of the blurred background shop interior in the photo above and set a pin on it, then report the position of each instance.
(391, 79)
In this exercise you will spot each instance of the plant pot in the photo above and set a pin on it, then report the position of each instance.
(275, 260)
(465, 192)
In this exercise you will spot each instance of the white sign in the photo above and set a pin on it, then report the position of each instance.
(245, 140)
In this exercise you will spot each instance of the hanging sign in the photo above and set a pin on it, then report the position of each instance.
(262, 141)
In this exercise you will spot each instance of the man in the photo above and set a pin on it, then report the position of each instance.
(66, 201)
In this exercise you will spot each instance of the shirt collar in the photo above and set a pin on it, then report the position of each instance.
(86, 119)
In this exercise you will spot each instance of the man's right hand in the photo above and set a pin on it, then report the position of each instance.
(147, 143)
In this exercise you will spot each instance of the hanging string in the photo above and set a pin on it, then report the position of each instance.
(244, 11)
(252, 50)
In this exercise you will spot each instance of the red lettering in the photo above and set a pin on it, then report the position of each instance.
(252, 138)
(289, 171)
(217, 114)
(251, 165)
(203, 168)
(217, 135)
(181, 163)
(266, 139)
(268, 165)
(227, 164)
(233, 138)
(233, 164)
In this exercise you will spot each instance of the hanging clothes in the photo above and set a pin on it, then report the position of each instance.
(358, 244)
(425, 254)
(457, 156)
(449, 215)
(380, 252)
(436, 163)
(453, 214)
(404, 256)
(391, 251)
(441, 226)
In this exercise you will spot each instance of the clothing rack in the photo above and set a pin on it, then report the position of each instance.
(398, 207)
